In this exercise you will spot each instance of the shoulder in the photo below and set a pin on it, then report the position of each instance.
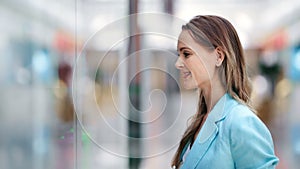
(243, 119)
(244, 123)
(250, 139)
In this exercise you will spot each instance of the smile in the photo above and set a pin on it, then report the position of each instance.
(186, 74)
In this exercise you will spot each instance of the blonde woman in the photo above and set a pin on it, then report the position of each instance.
(224, 133)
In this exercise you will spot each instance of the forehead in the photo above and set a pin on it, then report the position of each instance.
(186, 40)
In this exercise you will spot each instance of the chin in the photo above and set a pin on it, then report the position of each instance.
(190, 87)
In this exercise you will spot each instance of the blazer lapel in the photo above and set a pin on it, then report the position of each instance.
(206, 136)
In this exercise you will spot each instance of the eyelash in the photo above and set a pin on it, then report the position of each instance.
(186, 55)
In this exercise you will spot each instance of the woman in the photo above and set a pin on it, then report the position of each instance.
(224, 133)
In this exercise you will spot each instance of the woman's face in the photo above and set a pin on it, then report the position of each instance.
(197, 65)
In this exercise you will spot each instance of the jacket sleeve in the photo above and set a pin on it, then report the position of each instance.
(251, 142)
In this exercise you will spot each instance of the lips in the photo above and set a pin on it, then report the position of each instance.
(186, 74)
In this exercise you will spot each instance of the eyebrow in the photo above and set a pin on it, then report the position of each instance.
(182, 48)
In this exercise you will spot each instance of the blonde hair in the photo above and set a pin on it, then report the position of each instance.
(214, 32)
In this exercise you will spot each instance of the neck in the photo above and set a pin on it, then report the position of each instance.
(213, 93)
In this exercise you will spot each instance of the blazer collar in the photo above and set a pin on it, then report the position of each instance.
(207, 133)
(216, 115)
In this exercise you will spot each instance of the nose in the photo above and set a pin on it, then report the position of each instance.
(179, 63)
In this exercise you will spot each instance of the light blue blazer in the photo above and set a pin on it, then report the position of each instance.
(231, 137)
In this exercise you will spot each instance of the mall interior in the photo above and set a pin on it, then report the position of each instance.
(91, 84)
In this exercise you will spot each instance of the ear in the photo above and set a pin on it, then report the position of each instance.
(220, 56)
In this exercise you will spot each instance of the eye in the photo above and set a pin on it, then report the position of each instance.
(186, 54)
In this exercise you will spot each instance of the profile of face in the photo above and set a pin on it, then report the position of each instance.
(196, 63)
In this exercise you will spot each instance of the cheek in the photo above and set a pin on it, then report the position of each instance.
(199, 70)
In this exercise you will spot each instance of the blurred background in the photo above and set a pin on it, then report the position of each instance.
(61, 57)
